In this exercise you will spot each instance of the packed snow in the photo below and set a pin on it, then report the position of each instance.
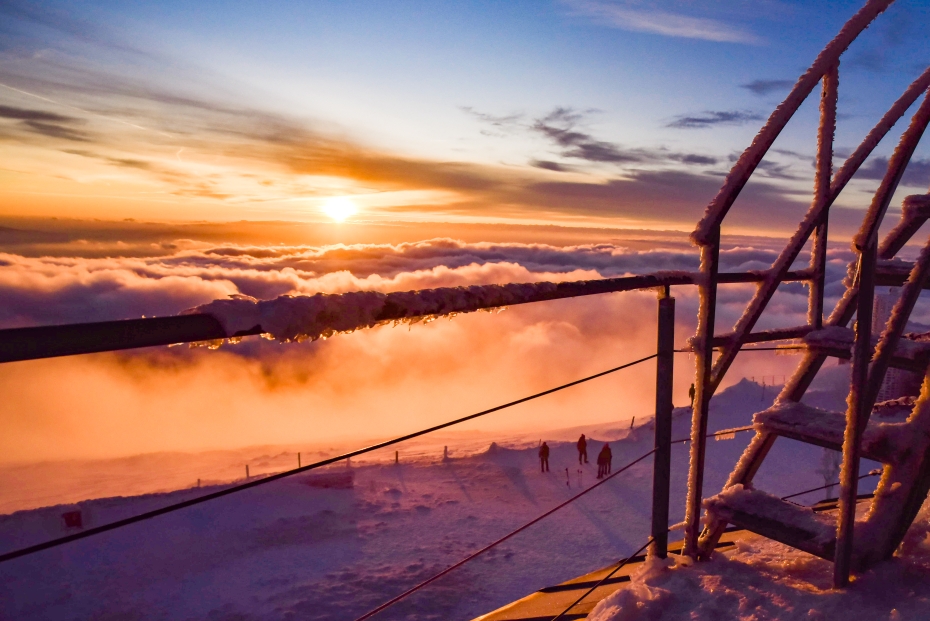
(763, 580)
(336, 543)
(820, 528)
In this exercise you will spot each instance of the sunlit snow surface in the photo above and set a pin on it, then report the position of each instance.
(764, 580)
(290, 550)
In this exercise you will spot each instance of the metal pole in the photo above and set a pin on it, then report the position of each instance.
(662, 460)
(855, 416)
(703, 361)
(824, 172)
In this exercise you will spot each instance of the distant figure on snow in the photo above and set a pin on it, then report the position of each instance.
(691, 394)
(604, 459)
(582, 450)
(544, 457)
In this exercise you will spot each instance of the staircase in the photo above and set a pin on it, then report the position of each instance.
(902, 446)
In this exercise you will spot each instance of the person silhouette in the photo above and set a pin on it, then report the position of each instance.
(582, 450)
(544, 457)
(603, 461)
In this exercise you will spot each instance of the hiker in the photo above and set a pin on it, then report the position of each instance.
(582, 450)
(544, 457)
(603, 461)
(691, 394)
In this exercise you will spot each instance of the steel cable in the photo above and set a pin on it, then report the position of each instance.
(274, 477)
(603, 580)
(393, 601)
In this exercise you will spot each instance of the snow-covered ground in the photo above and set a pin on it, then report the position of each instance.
(763, 580)
(312, 547)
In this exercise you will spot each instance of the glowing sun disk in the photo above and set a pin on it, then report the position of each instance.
(339, 208)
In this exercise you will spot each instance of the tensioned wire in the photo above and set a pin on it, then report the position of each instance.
(520, 529)
(325, 462)
(8, 556)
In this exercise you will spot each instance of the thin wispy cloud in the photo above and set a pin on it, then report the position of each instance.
(712, 118)
(26, 114)
(565, 128)
(559, 126)
(503, 120)
(766, 87)
(649, 18)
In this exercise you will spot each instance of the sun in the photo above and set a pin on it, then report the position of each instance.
(339, 208)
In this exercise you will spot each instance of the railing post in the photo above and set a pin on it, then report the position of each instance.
(703, 361)
(821, 202)
(662, 459)
(857, 415)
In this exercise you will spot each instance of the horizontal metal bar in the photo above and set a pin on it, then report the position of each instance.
(732, 278)
(86, 338)
(895, 276)
(778, 334)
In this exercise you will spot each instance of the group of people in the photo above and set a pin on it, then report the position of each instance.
(604, 458)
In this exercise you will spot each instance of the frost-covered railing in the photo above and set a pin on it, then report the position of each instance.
(294, 318)
(867, 373)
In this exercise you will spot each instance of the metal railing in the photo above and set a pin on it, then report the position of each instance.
(665, 350)
(21, 344)
(868, 373)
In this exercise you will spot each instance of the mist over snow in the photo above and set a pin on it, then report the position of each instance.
(335, 544)
(358, 387)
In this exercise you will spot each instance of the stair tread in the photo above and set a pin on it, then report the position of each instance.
(885, 442)
(839, 337)
(772, 517)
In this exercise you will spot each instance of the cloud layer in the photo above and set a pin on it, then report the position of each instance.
(382, 380)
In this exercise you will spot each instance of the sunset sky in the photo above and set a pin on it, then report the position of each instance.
(608, 113)
(158, 156)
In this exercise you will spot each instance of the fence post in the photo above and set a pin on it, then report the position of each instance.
(857, 415)
(662, 459)
(703, 389)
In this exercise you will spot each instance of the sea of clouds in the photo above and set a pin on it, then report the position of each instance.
(364, 385)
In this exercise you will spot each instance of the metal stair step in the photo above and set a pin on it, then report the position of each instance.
(894, 273)
(837, 341)
(886, 443)
(780, 520)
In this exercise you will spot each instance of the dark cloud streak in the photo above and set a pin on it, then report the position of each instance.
(25, 114)
(766, 87)
(713, 118)
(52, 130)
(917, 173)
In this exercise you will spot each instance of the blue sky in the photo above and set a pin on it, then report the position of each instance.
(169, 107)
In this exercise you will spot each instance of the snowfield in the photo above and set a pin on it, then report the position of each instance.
(335, 543)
